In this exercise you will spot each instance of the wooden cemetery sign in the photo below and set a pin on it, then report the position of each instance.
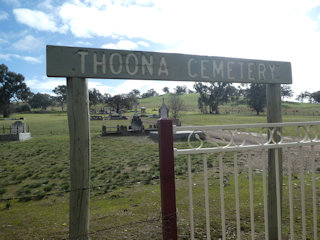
(77, 64)
(121, 64)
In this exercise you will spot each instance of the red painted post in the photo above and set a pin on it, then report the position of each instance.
(167, 180)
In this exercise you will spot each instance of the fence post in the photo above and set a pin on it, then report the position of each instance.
(167, 180)
(79, 131)
(273, 116)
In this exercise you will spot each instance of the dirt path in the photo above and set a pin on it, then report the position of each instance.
(258, 156)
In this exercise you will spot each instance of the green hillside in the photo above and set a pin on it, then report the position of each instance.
(191, 106)
(190, 101)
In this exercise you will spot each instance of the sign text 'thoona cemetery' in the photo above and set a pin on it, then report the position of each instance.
(122, 64)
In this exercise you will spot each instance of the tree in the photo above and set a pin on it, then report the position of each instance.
(119, 102)
(166, 90)
(212, 96)
(256, 97)
(316, 96)
(233, 93)
(180, 89)
(40, 100)
(61, 92)
(106, 97)
(95, 97)
(175, 105)
(12, 87)
(286, 91)
(304, 95)
(135, 93)
(150, 93)
(203, 96)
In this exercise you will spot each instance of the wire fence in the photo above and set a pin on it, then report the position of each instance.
(102, 227)
(154, 220)
(14, 130)
(41, 195)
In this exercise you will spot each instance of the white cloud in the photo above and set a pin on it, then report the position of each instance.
(2, 41)
(126, 44)
(99, 86)
(29, 59)
(110, 46)
(140, 21)
(83, 43)
(37, 20)
(28, 43)
(270, 30)
(144, 44)
(143, 86)
(44, 84)
(3, 15)
(46, 5)
(5, 57)
(115, 87)
(8, 57)
(123, 44)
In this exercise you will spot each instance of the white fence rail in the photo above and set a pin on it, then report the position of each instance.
(299, 144)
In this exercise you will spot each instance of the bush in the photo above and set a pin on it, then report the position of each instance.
(2, 191)
(35, 184)
(23, 108)
(47, 188)
(25, 190)
(64, 186)
(39, 196)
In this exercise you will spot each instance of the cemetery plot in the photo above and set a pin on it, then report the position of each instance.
(18, 131)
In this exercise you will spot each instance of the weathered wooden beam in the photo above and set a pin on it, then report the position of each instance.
(273, 116)
(79, 132)
(123, 64)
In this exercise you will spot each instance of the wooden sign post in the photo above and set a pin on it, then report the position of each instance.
(274, 116)
(79, 131)
(77, 64)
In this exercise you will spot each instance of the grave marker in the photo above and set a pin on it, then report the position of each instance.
(18, 127)
(163, 110)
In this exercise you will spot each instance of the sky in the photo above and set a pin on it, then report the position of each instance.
(279, 30)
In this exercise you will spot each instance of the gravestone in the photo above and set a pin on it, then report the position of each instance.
(135, 108)
(18, 127)
(163, 110)
(96, 118)
(136, 124)
(143, 112)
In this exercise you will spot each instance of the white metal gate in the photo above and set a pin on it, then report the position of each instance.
(299, 144)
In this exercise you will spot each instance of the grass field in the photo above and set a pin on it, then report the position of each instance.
(125, 198)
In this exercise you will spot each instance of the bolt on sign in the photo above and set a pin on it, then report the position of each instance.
(122, 64)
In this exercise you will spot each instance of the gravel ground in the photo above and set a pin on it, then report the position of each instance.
(291, 154)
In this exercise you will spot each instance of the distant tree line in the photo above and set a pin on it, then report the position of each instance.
(212, 95)
(13, 89)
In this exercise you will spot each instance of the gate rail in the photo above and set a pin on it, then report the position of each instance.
(249, 138)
